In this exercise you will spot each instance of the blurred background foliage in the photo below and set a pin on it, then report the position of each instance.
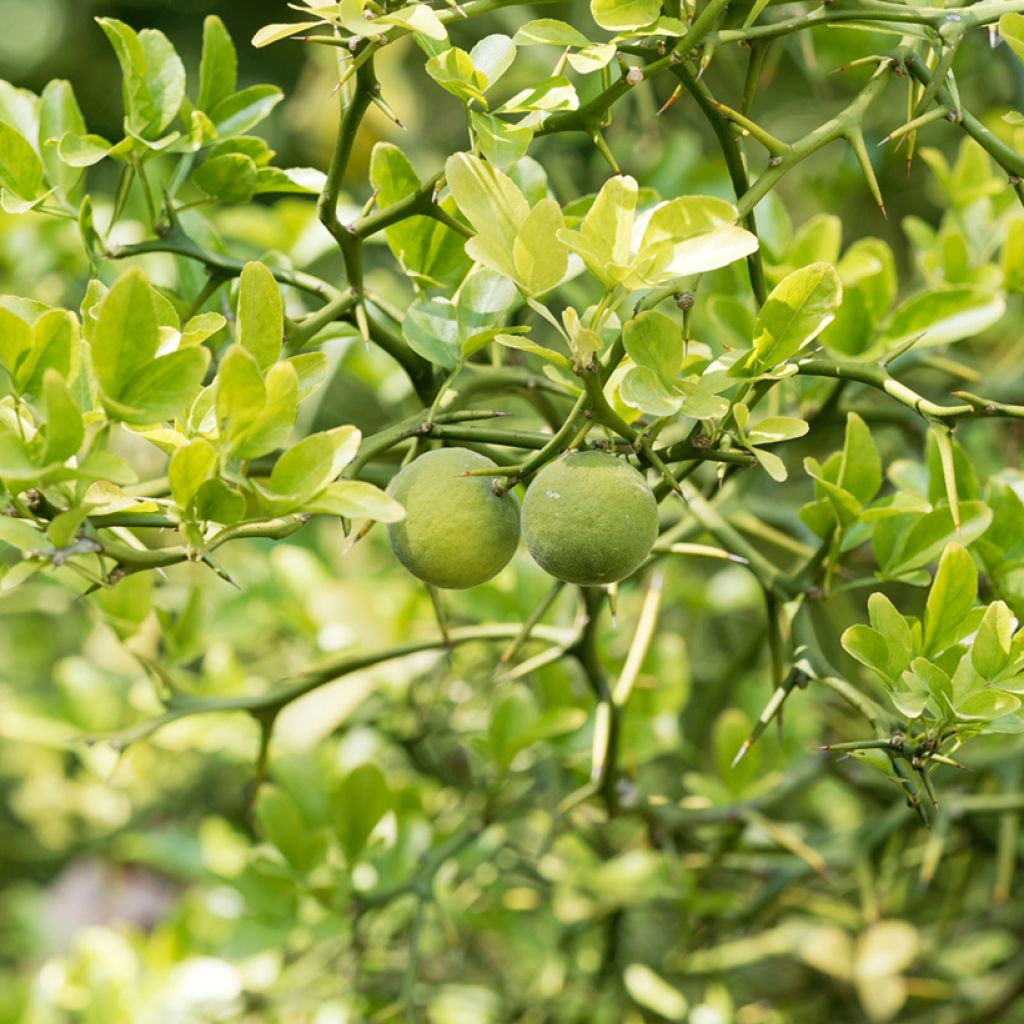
(138, 885)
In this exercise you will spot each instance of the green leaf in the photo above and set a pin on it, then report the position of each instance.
(275, 33)
(604, 240)
(546, 97)
(260, 314)
(490, 200)
(189, 468)
(305, 470)
(654, 341)
(984, 705)
(243, 110)
(691, 235)
(500, 142)
(1011, 28)
(282, 822)
(421, 244)
(432, 331)
(990, 651)
(540, 257)
(153, 77)
(357, 806)
(492, 57)
(162, 389)
(218, 66)
(619, 15)
(549, 32)
(21, 171)
(641, 388)
(928, 535)
(126, 337)
(230, 177)
(216, 502)
(528, 345)
(64, 428)
(241, 393)
(1013, 255)
(15, 340)
(860, 471)
(453, 70)
(59, 113)
(943, 316)
(20, 534)
(355, 499)
(951, 598)
(892, 627)
(799, 307)
(869, 648)
(273, 426)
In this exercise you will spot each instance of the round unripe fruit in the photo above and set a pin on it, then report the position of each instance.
(589, 518)
(457, 532)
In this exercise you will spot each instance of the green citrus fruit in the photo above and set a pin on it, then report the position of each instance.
(589, 518)
(456, 532)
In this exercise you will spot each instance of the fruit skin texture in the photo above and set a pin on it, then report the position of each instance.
(589, 518)
(457, 532)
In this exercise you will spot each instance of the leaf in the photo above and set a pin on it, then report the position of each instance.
(230, 177)
(273, 426)
(64, 428)
(642, 388)
(691, 235)
(549, 32)
(357, 806)
(654, 341)
(218, 66)
(984, 705)
(20, 534)
(162, 389)
(432, 331)
(260, 314)
(861, 467)
(153, 77)
(216, 502)
(355, 499)
(21, 171)
(189, 468)
(307, 468)
(943, 316)
(929, 534)
(620, 15)
(604, 239)
(990, 651)
(15, 340)
(869, 648)
(950, 599)
(241, 393)
(500, 142)
(59, 113)
(421, 244)
(453, 70)
(892, 627)
(275, 33)
(1011, 28)
(490, 199)
(799, 307)
(540, 257)
(243, 110)
(492, 57)
(126, 335)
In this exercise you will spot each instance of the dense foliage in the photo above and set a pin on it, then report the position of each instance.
(253, 770)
